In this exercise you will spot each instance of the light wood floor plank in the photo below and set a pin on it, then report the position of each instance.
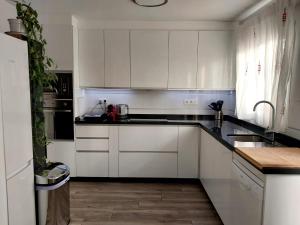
(125, 203)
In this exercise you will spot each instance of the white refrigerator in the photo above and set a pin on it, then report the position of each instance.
(16, 157)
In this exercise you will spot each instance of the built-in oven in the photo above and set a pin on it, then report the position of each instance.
(58, 109)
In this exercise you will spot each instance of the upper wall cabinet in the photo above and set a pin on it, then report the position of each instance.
(59, 45)
(117, 59)
(183, 59)
(215, 60)
(91, 57)
(149, 59)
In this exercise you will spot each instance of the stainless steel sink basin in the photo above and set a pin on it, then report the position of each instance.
(247, 138)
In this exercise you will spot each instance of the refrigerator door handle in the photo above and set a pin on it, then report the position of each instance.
(19, 170)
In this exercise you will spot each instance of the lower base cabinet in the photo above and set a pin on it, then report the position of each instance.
(63, 151)
(215, 174)
(145, 151)
(155, 165)
(92, 164)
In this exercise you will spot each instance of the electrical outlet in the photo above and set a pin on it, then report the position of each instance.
(192, 101)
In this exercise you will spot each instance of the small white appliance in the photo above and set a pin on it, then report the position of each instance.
(17, 201)
(122, 110)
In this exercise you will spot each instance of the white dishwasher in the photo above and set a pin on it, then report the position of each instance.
(247, 194)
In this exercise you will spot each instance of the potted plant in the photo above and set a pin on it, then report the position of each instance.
(40, 78)
(16, 26)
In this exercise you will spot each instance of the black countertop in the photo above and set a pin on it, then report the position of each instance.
(219, 131)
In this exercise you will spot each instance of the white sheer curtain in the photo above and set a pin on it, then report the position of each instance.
(265, 44)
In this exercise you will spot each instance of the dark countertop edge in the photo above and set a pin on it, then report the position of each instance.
(274, 170)
(245, 124)
(139, 123)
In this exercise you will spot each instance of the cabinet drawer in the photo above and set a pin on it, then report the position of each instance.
(148, 164)
(92, 164)
(92, 131)
(148, 138)
(92, 145)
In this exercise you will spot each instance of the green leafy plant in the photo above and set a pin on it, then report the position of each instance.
(40, 78)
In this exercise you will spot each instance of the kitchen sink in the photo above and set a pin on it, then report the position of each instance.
(247, 138)
(251, 140)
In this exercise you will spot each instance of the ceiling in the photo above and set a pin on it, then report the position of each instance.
(175, 10)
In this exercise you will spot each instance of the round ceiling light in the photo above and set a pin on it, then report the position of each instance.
(150, 3)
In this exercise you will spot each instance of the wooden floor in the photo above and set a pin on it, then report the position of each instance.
(104, 203)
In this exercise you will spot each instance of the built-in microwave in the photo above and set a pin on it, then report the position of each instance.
(58, 108)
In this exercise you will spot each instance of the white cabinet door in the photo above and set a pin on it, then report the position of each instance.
(149, 59)
(183, 48)
(147, 164)
(148, 138)
(91, 131)
(59, 45)
(215, 174)
(188, 152)
(63, 151)
(91, 58)
(117, 58)
(92, 164)
(97, 145)
(21, 203)
(3, 191)
(16, 111)
(215, 60)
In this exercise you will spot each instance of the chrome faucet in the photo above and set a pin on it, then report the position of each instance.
(270, 130)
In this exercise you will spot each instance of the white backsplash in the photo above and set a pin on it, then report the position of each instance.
(156, 101)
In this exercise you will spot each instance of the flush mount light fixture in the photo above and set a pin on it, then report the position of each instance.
(150, 3)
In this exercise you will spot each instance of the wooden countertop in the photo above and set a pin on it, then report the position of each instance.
(268, 158)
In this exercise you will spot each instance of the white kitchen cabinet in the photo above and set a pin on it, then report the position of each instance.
(113, 158)
(188, 152)
(63, 151)
(149, 59)
(96, 153)
(91, 57)
(91, 131)
(183, 49)
(281, 199)
(117, 58)
(97, 145)
(216, 60)
(148, 138)
(215, 174)
(3, 190)
(20, 197)
(59, 46)
(148, 164)
(92, 164)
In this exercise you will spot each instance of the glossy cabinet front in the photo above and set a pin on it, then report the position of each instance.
(149, 59)
(216, 60)
(156, 151)
(117, 58)
(183, 59)
(215, 174)
(91, 57)
(156, 59)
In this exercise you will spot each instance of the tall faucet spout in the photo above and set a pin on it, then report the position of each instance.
(273, 111)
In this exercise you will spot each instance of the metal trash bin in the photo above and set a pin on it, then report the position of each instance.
(53, 195)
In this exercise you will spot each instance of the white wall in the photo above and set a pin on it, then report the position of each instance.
(157, 101)
(7, 10)
(294, 108)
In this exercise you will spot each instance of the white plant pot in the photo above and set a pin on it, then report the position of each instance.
(16, 25)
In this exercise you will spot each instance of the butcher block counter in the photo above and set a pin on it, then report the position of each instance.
(272, 160)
